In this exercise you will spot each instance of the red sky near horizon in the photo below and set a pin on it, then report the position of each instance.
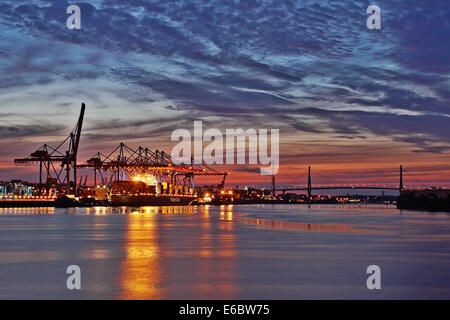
(344, 162)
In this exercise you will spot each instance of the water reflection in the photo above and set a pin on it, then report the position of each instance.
(27, 211)
(227, 252)
(216, 267)
(148, 255)
(141, 270)
(101, 211)
(300, 226)
(226, 214)
(229, 255)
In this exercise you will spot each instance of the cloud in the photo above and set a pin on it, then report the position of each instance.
(36, 129)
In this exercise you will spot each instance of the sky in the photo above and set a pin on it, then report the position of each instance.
(351, 102)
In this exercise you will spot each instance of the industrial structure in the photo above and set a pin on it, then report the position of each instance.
(124, 175)
(124, 168)
(58, 162)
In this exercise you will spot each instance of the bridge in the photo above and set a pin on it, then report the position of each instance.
(309, 187)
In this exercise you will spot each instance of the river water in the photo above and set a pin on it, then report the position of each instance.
(227, 252)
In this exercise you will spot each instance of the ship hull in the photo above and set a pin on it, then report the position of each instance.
(151, 200)
(26, 203)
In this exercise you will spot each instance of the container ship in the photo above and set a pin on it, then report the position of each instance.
(17, 193)
(146, 191)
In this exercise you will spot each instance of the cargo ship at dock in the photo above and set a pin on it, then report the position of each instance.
(18, 193)
(151, 200)
(144, 191)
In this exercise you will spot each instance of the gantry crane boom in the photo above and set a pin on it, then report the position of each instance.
(47, 156)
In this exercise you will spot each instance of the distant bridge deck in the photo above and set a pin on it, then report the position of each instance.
(338, 188)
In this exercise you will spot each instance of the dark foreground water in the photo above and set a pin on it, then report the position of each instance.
(228, 252)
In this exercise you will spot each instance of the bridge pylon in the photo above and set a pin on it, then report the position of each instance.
(401, 178)
(309, 188)
(273, 185)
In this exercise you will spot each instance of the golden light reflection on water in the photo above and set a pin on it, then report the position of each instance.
(229, 254)
(217, 274)
(103, 211)
(27, 211)
(141, 269)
